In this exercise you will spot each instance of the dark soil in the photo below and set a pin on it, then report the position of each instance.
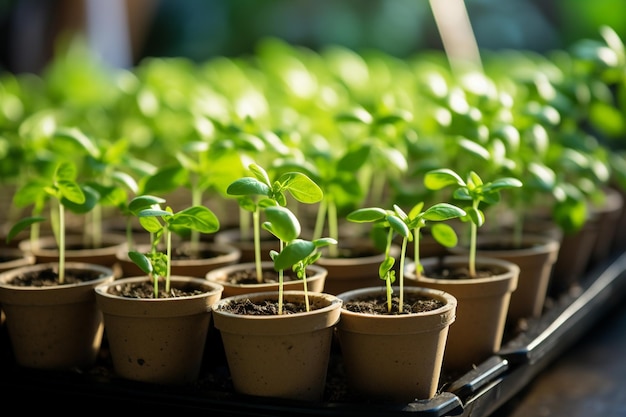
(266, 308)
(50, 277)
(146, 290)
(461, 272)
(412, 304)
(444, 271)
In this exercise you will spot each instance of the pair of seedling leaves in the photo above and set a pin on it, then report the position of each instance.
(409, 226)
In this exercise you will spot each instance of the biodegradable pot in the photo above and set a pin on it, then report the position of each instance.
(279, 356)
(608, 218)
(58, 326)
(483, 304)
(535, 257)
(11, 258)
(232, 237)
(574, 257)
(316, 278)
(158, 340)
(395, 357)
(355, 267)
(211, 256)
(45, 249)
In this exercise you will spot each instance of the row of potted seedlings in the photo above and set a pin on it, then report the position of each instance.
(532, 167)
(151, 319)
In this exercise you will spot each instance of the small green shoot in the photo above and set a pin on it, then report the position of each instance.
(162, 223)
(259, 192)
(295, 253)
(474, 190)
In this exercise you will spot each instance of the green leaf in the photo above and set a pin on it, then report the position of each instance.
(22, 225)
(198, 218)
(143, 202)
(90, 199)
(260, 174)
(80, 139)
(248, 186)
(501, 184)
(151, 224)
(397, 117)
(282, 223)
(354, 159)
(165, 180)
(385, 267)
(154, 213)
(370, 214)
(394, 157)
(296, 251)
(359, 115)
(399, 226)
(301, 187)
(441, 178)
(126, 180)
(475, 149)
(71, 191)
(29, 193)
(416, 210)
(65, 171)
(141, 260)
(443, 211)
(110, 195)
(476, 216)
(324, 241)
(444, 234)
(247, 204)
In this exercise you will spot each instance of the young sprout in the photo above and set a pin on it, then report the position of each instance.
(475, 191)
(295, 253)
(158, 264)
(259, 192)
(67, 193)
(408, 226)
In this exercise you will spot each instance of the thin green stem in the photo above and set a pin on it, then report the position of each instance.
(402, 258)
(256, 227)
(61, 236)
(169, 259)
(320, 218)
(333, 227)
(280, 284)
(472, 254)
(196, 200)
(306, 292)
(416, 252)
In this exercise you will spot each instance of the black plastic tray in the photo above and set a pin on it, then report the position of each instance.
(479, 392)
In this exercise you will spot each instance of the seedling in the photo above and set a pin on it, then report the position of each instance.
(162, 223)
(408, 226)
(475, 191)
(259, 192)
(67, 193)
(295, 253)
